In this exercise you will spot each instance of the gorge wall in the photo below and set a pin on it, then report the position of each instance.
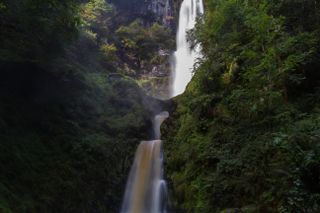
(151, 69)
(162, 11)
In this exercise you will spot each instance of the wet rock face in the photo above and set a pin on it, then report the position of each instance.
(163, 9)
(150, 11)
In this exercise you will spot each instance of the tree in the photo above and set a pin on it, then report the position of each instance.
(97, 16)
(33, 30)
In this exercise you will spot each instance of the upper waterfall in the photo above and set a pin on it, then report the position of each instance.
(184, 58)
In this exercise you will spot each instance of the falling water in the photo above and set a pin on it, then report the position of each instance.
(146, 190)
(184, 58)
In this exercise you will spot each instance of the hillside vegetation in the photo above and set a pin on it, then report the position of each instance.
(245, 135)
(70, 117)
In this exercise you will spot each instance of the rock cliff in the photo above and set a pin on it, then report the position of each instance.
(150, 11)
(163, 9)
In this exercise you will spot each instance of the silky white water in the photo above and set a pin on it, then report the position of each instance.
(146, 190)
(184, 58)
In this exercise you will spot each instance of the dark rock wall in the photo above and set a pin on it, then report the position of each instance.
(150, 11)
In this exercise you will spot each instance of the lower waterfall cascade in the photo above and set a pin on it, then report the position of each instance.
(146, 190)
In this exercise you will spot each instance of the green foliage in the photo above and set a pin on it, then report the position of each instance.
(143, 43)
(130, 47)
(68, 147)
(246, 129)
(33, 30)
(97, 16)
(68, 130)
(2, 6)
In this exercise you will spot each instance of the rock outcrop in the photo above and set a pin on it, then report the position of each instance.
(150, 11)
(163, 9)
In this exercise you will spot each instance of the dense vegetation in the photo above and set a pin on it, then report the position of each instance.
(245, 135)
(70, 119)
(243, 138)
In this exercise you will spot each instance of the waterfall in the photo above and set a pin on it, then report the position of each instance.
(184, 58)
(146, 190)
